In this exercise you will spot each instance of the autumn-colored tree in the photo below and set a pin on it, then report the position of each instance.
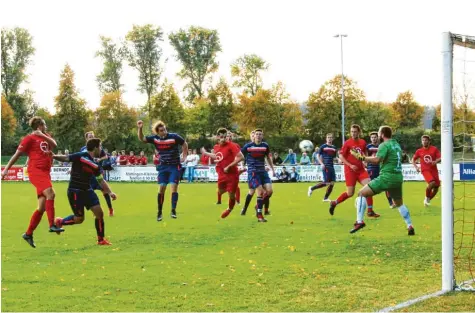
(9, 122)
(247, 71)
(70, 120)
(288, 114)
(196, 50)
(406, 112)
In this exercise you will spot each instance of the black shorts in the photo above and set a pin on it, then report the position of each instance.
(78, 199)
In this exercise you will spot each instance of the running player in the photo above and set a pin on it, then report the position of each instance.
(326, 155)
(429, 157)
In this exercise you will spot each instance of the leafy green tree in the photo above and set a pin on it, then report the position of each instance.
(166, 106)
(247, 71)
(221, 106)
(112, 56)
(196, 50)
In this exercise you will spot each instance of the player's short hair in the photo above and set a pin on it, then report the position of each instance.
(425, 136)
(93, 143)
(357, 127)
(329, 134)
(386, 131)
(222, 130)
(157, 125)
(35, 122)
(258, 130)
(375, 133)
(89, 132)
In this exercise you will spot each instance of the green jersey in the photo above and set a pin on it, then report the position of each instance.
(390, 154)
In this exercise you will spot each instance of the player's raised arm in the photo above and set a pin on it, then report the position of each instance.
(52, 143)
(140, 131)
(209, 154)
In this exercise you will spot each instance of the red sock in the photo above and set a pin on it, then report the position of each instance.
(219, 196)
(231, 203)
(238, 194)
(50, 211)
(369, 201)
(34, 221)
(428, 191)
(342, 197)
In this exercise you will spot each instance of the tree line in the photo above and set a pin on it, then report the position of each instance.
(240, 105)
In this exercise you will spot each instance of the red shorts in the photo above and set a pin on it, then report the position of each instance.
(228, 182)
(431, 176)
(351, 177)
(41, 181)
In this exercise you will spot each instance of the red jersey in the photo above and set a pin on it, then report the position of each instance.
(40, 157)
(358, 145)
(427, 156)
(132, 160)
(204, 159)
(225, 155)
(123, 159)
(142, 160)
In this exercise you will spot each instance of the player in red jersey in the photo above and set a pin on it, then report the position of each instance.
(228, 178)
(142, 159)
(37, 146)
(429, 157)
(354, 170)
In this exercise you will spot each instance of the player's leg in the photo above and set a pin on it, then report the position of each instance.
(260, 203)
(350, 180)
(220, 194)
(321, 184)
(35, 221)
(364, 179)
(230, 186)
(365, 192)
(331, 178)
(436, 185)
(238, 192)
(173, 180)
(267, 185)
(396, 194)
(99, 224)
(430, 180)
(162, 180)
(77, 202)
(249, 196)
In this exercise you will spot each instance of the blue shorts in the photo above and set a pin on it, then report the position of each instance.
(95, 184)
(373, 172)
(256, 179)
(329, 174)
(168, 174)
(78, 199)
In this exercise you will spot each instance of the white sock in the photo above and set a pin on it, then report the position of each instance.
(405, 215)
(360, 212)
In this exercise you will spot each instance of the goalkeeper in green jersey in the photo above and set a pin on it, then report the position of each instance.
(390, 178)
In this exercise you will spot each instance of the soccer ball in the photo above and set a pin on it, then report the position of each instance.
(360, 202)
(306, 146)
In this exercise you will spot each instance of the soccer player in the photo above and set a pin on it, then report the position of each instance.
(354, 170)
(256, 154)
(373, 168)
(37, 146)
(94, 184)
(429, 157)
(80, 194)
(225, 152)
(390, 178)
(325, 156)
(167, 145)
(238, 190)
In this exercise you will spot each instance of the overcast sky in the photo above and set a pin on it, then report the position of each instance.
(392, 46)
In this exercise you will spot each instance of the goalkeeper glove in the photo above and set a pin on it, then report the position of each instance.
(357, 155)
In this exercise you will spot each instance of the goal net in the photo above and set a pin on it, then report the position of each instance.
(458, 158)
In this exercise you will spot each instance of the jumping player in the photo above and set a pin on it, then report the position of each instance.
(167, 145)
(37, 146)
(80, 192)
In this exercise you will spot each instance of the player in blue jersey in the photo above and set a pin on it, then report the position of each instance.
(373, 168)
(167, 145)
(80, 193)
(256, 154)
(326, 155)
(94, 184)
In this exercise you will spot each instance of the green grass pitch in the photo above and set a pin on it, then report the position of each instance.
(303, 259)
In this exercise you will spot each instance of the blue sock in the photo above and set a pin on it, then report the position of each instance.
(174, 200)
(260, 203)
(108, 200)
(68, 220)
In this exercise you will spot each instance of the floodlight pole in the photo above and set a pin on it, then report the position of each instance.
(342, 90)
